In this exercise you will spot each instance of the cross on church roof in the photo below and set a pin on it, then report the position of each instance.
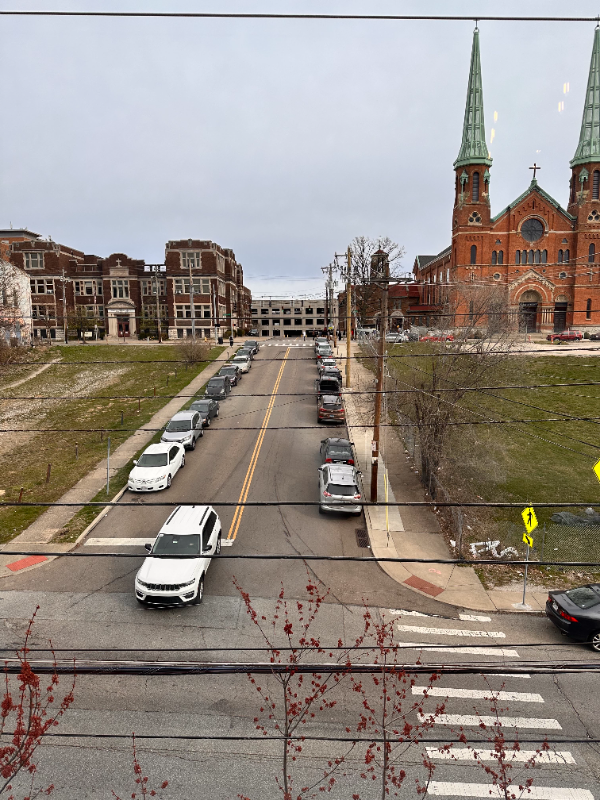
(535, 169)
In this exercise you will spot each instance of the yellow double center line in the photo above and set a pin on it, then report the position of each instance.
(239, 509)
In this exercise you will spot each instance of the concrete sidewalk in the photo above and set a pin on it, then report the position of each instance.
(413, 532)
(40, 533)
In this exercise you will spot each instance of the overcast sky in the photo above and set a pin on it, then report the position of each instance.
(280, 139)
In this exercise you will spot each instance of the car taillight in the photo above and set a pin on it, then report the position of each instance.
(357, 497)
(566, 616)
(328, 461)
(326, 494)
(350, 461)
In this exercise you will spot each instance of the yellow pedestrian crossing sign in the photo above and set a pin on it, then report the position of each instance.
(528, 539)
(529, 518)
(597, 469)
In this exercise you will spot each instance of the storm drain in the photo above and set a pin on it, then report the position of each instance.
(362, 537)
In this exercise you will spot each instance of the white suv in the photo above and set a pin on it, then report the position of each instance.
(173, 575)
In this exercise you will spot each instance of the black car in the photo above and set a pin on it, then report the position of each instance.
(246, 351)
(332, 372)
(208, 409)
(218, 387)
(251, 343)
(327, 385)
(336, 451)
(595, 337)
(231, 372)
(576, 612)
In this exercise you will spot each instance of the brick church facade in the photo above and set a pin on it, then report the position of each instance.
(542, 259)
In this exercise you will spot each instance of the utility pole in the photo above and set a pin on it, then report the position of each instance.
(64, 280)
(329, 316)
(382, 267)
(348, 313)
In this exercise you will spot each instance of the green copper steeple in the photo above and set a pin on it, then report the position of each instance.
(588, 148)
(473, 149)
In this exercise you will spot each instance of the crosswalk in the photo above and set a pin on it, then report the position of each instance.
(479, 708)
(287, 344)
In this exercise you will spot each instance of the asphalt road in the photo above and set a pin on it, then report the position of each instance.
(89, 603)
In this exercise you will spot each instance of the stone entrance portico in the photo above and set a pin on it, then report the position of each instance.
(121, 318)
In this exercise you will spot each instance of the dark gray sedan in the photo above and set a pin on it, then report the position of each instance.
(218, 388)
(336, 451)
(207, 408)
(576, 612)
(232, 372)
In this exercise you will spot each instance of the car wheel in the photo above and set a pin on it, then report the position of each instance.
(200, 593)
(217, 413)
(201, 431)
(208, 422)
(182, 461)
(218, 547)
(193, 444)
(595, 641)
(168, 481)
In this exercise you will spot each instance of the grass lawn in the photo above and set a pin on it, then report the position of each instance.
(25, 464)
(525, 462)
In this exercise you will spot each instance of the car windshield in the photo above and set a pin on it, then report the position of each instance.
(179, 425)
(583, 596)
(339, 452)
(169, 544)
(153, 460)
(229, 370)
(201, 406)
(240, 359)
(215, 383)
(342, 490)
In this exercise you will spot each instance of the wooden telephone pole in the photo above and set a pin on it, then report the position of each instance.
(380, 267)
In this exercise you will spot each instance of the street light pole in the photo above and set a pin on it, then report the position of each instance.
(348, 314)
(383, 271)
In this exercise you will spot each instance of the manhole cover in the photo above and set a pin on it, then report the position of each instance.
(362, 537)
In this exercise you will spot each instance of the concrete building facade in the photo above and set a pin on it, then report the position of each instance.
(289, 318)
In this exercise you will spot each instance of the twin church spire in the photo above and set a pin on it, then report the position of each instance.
(474, 149)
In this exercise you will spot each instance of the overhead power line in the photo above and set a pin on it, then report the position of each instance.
(253, 15)
(277, 503)
(298, 557)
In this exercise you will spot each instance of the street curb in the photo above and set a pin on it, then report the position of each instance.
(96, 521)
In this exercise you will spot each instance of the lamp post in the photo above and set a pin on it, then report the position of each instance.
(380, 267)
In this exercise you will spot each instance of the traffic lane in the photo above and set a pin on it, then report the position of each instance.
(287, 469)
(214, 471)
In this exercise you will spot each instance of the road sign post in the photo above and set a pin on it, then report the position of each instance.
(531, 523)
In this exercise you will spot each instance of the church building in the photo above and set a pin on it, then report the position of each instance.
(543, 259)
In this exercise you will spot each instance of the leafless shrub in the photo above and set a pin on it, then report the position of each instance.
(192, 351)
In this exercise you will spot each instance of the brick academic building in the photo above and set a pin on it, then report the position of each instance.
(544, 259)
(117, 296)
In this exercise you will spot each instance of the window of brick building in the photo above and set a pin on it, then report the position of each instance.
(191, 259)
(530, 257)
(475, 190)
(34, 260)
(88, 287)
(588, 308)
(560, 257)
(494, 257)
(518, 257)
(473, 254)
(41, 287)
(544, 256)
(501, 256)
(567, 255)
(120, 288)
(592, 253)
(596, 185)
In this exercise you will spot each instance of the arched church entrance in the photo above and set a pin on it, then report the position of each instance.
(529, 305)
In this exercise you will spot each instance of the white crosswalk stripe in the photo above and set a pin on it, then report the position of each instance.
(440, 789)
(474, 720)
(472, 651)
(487, 754)
(478, 694)
(452, 632)
(473, 618)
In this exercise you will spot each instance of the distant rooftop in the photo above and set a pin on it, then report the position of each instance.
(21, 233)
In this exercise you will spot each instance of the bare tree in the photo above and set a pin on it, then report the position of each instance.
(362, 250)
(192, 351)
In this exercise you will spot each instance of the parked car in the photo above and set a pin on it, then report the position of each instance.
(395, 338)
(192, 531)
(254, 332)
(595, 337)
(326, 362)
(218, 387)
(330, 408)
(576, 612)
(243, 362)
(339, 489)
(332, 372)
(319, 340)
(207, 408)
(336, 451)
(437, 337)
(185, 427)
(156, 467)
(232, 372)
(324, 351)
(566, 336)
(253, 343)
(327, 385)
(246, 351)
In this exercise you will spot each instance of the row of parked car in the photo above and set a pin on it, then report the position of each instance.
(165, 578)
(339, 488)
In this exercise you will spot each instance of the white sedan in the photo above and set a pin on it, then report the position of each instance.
(243, 362)
(156, 467)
